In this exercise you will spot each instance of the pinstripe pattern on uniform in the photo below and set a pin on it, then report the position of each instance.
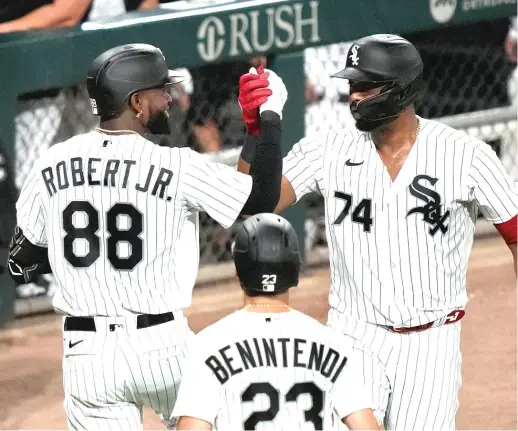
(30, 210)
(111, 375)
(398, 273)
(203, 396)
(129, 209)
(414, 377)
(164, 277)
(491, 185)
(208, 186)
(408, 268)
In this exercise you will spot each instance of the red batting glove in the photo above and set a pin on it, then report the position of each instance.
(253, 92)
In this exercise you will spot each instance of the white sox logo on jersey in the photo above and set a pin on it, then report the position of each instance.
(432, 209)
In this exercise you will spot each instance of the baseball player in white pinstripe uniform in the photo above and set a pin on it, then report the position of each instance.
(401, 195)
(115, 218)
(267, 366)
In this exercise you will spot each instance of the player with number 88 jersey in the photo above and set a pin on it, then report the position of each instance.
(115, 218)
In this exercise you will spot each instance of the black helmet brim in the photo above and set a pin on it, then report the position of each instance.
(354, 74)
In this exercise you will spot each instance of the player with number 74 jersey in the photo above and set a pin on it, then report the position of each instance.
(402, 194)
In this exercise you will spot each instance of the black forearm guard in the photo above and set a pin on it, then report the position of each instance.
(26, 261)
(266, 167)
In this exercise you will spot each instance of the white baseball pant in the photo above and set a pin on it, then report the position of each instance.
(109, 375)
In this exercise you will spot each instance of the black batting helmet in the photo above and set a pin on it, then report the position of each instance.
(266, 254)
(121, 71)
(390, 62)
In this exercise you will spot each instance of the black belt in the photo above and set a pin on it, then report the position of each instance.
(76, 323)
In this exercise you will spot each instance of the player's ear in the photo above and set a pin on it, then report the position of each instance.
(135, 102)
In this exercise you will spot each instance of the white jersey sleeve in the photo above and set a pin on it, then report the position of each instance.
(492, 188)
(30, 213)
(215, 188)
(349, 394)
(303, 166)
(199, 395)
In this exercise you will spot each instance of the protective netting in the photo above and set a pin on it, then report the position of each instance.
(46, 118)
(466, 71)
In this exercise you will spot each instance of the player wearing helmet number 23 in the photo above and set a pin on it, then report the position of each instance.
(267, 366)
(402, 194)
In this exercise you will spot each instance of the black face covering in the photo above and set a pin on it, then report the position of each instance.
(158, 123)
(361, 123)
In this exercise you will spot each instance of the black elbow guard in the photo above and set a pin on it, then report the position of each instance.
(26, 261)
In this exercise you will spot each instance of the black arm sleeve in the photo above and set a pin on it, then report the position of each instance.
(26, 261)
(266, 167)
(248, 150)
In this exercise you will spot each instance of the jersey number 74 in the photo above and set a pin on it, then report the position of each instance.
(361, 212)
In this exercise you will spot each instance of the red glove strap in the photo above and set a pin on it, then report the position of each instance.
(508, 230)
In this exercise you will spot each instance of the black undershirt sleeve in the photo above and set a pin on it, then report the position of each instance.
(248, 150)
(266, 167)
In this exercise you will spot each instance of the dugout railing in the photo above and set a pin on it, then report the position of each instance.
(44, 100)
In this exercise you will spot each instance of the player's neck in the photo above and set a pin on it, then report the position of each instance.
(266, 304)
(398, 134)
(123, 124)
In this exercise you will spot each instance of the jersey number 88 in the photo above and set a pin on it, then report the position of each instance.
(116, 235)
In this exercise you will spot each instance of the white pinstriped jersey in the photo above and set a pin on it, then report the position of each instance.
(399, 249)
(119, 216)
(270, 371)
